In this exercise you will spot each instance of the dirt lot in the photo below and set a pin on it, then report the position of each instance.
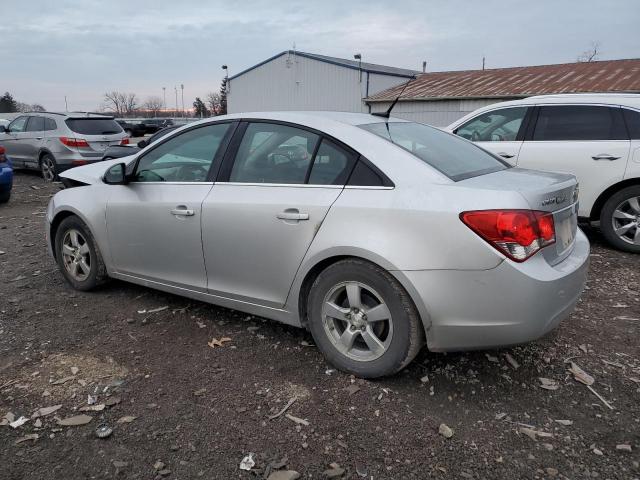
(179, 408)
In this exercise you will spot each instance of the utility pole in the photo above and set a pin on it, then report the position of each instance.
(182, 89)
(482, 63)
(66, 107)
(164, 98)
(176, 90)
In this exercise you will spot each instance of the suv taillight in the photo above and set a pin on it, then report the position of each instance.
(518, 234)
(74, 142)
(124, 141)
(2, 157)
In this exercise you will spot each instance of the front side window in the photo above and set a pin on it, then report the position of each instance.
(187, 157)
(36, 124)
(273, 153)
(454, 157)
(495, 126)
(579, 122)
(18, 125)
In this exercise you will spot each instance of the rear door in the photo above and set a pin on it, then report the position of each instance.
(14, 143)
(261, 216)
(33, 140)
(588, 141)
(500, 131)
(153, 223)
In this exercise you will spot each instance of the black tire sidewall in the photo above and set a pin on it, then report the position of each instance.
(55, 166)
(94, 274)
(606, 215)
(390, 291)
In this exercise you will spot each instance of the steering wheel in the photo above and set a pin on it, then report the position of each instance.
(192, 173)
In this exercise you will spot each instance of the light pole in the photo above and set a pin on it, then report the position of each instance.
(182, 89)
(164, 98)
(358, 57)
(176, 90)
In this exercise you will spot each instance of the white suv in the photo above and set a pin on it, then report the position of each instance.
(596, 137)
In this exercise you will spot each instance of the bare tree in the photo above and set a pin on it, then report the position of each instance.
(213, 102)
(590, 55)
(120, 103)
(153, 104)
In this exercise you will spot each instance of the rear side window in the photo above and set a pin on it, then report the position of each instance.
(632, 117)
(93, 126)
(364, 175)
(36, 124)
(273, 153)
(452, 156)
(579, 122)
(331, 165)
(50, 124)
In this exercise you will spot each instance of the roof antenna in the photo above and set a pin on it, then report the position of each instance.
(387, 114)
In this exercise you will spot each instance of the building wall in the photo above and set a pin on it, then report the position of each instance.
(292, 82)
(438, 113)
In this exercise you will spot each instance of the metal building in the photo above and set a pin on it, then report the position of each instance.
(294, 80)
(440, 98)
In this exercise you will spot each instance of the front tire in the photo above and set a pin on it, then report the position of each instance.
(620, 219)
(48, 168)
(78, 255)
(5, 196)
(362, 320)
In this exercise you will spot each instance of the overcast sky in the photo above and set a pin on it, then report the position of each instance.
(84, 48)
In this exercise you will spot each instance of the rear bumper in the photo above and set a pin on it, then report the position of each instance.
(507, 305)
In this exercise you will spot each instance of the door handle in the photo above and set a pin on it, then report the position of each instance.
(38, 138)
(506, 155)
(605, 156)
(182, 211)
(292, 214)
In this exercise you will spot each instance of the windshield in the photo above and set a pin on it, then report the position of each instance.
(93, 126)
(454, 157)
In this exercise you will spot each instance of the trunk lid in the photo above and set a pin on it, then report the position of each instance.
(543, 191)
(99, 132)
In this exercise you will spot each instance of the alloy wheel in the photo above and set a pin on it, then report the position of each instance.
(626, 220)
(76, 255)
(357, 321)
(48, 169)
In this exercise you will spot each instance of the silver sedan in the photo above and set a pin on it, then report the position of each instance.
(378, 235)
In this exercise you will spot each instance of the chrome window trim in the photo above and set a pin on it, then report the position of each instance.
(171, 183)
(297, 185)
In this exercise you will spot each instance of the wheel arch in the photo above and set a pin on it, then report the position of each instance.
(607, 193)
(57, 220)
(43, 152)
(316, 265)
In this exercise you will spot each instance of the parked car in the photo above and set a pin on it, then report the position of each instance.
(4, 122)
(132, 129)
(384, 235)
(6, 176)
(593, 136)
(55, 142)
(152, 125)
(119, 151)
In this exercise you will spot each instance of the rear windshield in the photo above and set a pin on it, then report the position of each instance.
(93, 126)
(453, 156)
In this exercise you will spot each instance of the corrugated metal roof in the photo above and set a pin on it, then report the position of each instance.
(352, 64)
(515, 82)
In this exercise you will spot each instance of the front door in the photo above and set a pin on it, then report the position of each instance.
(14, 141)
(259, 221)
(153, 223)
(500, 131)
(587, 141)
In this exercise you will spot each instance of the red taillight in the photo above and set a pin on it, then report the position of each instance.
(517, 233)
(74, 142)
(124, 141)
(2, 157)
(78, 162)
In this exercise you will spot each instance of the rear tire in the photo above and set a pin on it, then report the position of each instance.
(362, 320)
(48, 168)
(78, 255)
(620, 219)
(5, 196)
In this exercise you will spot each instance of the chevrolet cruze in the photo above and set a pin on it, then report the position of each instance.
(378, 235)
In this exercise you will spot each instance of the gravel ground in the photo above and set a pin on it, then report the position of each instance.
(181, 407)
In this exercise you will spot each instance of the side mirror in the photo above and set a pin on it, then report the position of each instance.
(142, 143)
(4, 129)
(116, 175)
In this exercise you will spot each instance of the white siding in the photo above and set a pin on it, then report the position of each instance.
(292, 82)
(439, 113)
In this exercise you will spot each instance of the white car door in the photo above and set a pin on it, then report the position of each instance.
(500, 131)
(154, 222)
(265, 209)
(588, 141)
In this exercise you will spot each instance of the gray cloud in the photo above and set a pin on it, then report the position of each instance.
(83, 48)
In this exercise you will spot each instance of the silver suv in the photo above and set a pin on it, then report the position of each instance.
(54, 142)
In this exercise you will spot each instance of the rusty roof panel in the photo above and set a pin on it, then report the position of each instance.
(592, 77)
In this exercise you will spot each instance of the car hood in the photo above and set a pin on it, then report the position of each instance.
(93, 173)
